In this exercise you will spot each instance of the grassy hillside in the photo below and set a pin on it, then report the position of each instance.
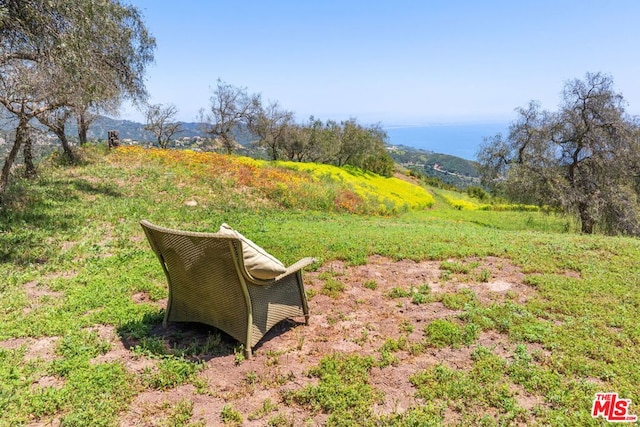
(422, 313)
(450, 169)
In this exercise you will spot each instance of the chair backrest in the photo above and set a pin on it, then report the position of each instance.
(205, 280)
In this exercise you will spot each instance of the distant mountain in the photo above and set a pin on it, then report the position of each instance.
(450, 169)
(128, 129)
(99, 128)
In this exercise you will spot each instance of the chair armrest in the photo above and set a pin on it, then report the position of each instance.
(304, 262)
(293, 268)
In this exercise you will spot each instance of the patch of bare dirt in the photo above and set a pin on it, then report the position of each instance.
(118, 351)
(573, 274)
(14, 343)
(36, 348)
(36, 294)
(141, 297)
(138, 238)
(55, 421)
(36, 290)
(48, 381)
(42, 348)
(408, 178)
(358, 321)
(525, 399)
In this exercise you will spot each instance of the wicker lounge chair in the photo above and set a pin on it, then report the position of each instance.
(209, 283)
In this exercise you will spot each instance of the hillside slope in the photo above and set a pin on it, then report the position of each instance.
(426, 316)
(452, 170)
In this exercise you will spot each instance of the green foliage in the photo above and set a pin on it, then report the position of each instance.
(346, 143)
(76, 349)
(399, 293)
(483, 386)
(582, 159)
(535, 379)
(370, 284)
(427, 415)
(459, 300)
(16, 394)
(342, 390)
(511, 319)
(388, 349)
(181, 415)
(56, 64)
(455, 267)
(332, 287)
(91, 394)
(230, 415)
(266, 408)
(170, 372)
(421, 294)
(445, 333)
(280, 421)
(432, 181)
(98, 393)
(484, 275)
(340, 144)
(478, 193)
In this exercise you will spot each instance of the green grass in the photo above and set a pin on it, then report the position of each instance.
(231, 416)
(445, 333)
(458, 300)
(332, 287)
(72, 256)
(342, 390)
(483, 387)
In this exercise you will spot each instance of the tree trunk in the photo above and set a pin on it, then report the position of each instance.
(30, 168)
(227, 143)
(66, 147)
(83, 127)
(11, 157)
(586, 220)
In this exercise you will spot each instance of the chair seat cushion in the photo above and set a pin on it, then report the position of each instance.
(258, 262)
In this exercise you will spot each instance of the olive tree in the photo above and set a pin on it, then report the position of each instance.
(230, 109)
(24, 97)
(272, 125)
(160, 120)
(364, 147)
(338, 143)
(582, 158)
(114, 66)
(68, 54)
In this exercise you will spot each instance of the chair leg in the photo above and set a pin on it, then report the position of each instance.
(247, 353)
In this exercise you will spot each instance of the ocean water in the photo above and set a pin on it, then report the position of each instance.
(462, 140)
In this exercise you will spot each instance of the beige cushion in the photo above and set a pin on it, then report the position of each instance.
(257, 261)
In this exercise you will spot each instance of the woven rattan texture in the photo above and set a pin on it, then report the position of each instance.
(209, 284)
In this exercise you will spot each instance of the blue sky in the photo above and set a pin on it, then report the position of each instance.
(394, 62)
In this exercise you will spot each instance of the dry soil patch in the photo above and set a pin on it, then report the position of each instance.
(357, 321)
